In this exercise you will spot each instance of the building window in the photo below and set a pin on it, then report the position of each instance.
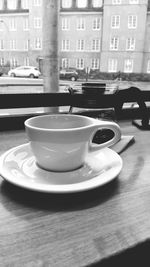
(12, 24)
(132, 21)
(1, 26)
(97, 3)
(38, 43)
(37, 23)
(116, 2)
(115, 21)
(13, 45)
(148, 66)
(81, 3)
(13, 62)
(12, 4)
(65, 45)
(65, 63)
(37, 2)
(133, 1)
(1, 44)
(26, 45)
(114, 43)
(1, 4)
(112, 65)
(80, 63)
(128, 65)
(26, 61)
(130, 44)
(80, 45)
(96, 24)
(26, 24)
(65, 24)
(66, 3)
(95, 63)
(2, 61)
(80, 24)
(25, 4)
(95, 45)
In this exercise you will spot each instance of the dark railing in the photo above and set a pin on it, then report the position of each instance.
(116, 100)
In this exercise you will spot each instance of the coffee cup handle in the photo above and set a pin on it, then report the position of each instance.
(105, 125)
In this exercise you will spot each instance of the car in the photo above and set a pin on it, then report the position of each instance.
(69, 74)
(24, 71)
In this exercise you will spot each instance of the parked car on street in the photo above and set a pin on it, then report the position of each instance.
(69, 74)
(24, 71)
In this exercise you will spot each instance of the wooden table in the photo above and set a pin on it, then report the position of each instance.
(80, 229)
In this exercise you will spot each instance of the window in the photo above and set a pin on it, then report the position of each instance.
(26, 45)
(12, 4)
(26, 61)
(1, 4)
(128, 65)
(116, 2)
(1, 26)
(12, 24)
(25, 4)
(81, 3)
(2, 61)
(25, 24)
(148, 66)
(1, 44)
(13, 62)
(65, 24)
(66, 3)
(115, 21)
(133, 1)
(130, 44)
(97, 3)
(95, 45)
(132, 21)
(65, 63)
(112, 65)
(37, 23)
(114, 43)
(13, 45)
(96, 24)
(80, 45)
(80, 24)
(80, 63)
(37, 2)
(38, 43)
(65, 45)
(95, 63)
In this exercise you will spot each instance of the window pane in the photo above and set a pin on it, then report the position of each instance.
(66, 3)
(81, 3)
(25, 4)
(1, 4)
(12, 4)
(97, 3)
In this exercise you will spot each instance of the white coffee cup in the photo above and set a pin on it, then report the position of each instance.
(61, 142)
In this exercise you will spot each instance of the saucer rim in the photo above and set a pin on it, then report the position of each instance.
(63, 188)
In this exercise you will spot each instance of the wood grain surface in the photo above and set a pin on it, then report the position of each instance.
(80, 229)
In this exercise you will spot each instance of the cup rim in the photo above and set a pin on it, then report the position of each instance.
(27, 122)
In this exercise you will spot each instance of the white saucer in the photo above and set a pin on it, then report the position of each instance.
(18, 167)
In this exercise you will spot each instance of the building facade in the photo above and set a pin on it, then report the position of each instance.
(105, 35)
